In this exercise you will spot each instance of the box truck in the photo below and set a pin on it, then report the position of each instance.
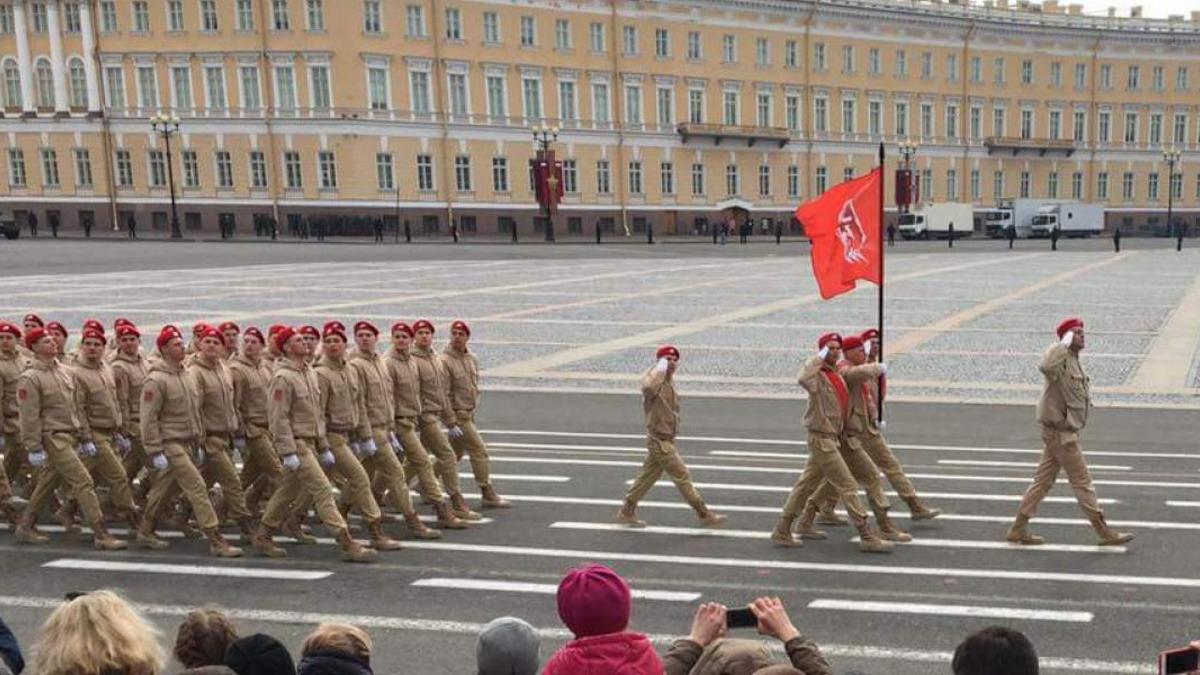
(1074, 219)
(933, 221)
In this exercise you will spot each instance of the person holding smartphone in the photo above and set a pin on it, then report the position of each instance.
(706, 649)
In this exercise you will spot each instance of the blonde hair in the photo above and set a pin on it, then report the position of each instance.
(203, 638)
(95, 634)
(339, 637)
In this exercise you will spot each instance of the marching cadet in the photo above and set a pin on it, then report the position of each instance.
(436, 412)
(172, 434)
(406, 390)
(110, 350)
(828, 408)
(341, 405)
(30, 322)
(229, 339)
(273, 355)
(12, 363)
(261, 470)
(130, 369)
(296, 424)
(50, 424)
(58, 333)
(1062, 412)
(218, 418)
(660, 403)
(312, 338)
(198, 330)
(462, 371)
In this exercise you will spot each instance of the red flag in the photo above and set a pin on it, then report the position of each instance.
(844, 227)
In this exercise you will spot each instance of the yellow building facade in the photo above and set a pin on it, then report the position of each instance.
(419, 111)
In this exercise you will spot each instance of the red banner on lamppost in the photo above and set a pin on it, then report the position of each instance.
(547, 180)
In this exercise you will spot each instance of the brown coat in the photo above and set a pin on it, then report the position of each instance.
(859, 380)
(170, 409)
(406, 383)
(11, 368)
(434, 404)
(741, 657)
(375, 387)
(214, 389)
(462, 379)
(343, 401)
(295, 407)
(129, 374)
(660, 404)
(1066, 395)
(46, 402)
(96, 397)
(824, 413)
(250, 382)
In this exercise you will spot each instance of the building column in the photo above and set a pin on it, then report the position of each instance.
(89, 59)
(62, 103)
(24, 60)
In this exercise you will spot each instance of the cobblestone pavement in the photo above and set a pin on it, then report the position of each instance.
(962, 325)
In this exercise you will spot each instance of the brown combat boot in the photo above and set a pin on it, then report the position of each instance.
(10, 513)
(418, 528)
(65, 515)
(805, 529)
(628, 516)
(265, 544)
(868, 541)
(708, 518)
(27, 532)
(379, 539)
(220, 548)
(145, 538)
(459, 505)
(919, 510)
(1109, 536)
(344, 509)
(446, 518)
(1019, 533)
(352, 551)
(103, 541)
(827, 516)
(293, 528)
(782, 534)
(247, 527)
(888, 529)
(492, 499)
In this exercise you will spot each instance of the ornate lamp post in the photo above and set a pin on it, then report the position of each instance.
(547, 175)
(167, 126)
(1171, 157)
(907, 185)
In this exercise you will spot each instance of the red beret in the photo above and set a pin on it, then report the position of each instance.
(198, 328)
(851, 342)
(94, 334)
(54, 325)
(92, 324)
(827, 338)
(32, 337)
(425, 324)
(229, 326)
(282, 336)
(6, 327)
(869, 334)
(461, 325)
(121, 321)
(401, 327)
(335, 328)
(667, 350)
(365, 325)
(255, 332)
(34, 318)
(211, 332)
(167, 334)
(275, 328)
(128, 329)
(1069, 324)
(310, 331)
(334, 324)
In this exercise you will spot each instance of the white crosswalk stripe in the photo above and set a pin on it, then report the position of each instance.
(541, 589)
(188, 570)
(1025, 465)
(953, 610)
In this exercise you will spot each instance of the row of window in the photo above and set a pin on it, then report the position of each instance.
(327, 176)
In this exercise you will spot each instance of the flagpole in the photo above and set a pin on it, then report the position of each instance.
(882, 247)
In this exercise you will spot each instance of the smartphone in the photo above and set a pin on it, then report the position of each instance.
(740, 618)
(1176, 661)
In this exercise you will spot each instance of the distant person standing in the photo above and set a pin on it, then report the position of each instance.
(891, 232)
(87, 228)
(378, 225)
(1054, 234)
(131, 226)
(951, 237)
(778, 233)
(716, 232)
(1179, 228)
(1012, 235)
(33, 223)
(1117, 240)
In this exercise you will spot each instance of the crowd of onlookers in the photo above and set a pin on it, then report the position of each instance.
(99, 633)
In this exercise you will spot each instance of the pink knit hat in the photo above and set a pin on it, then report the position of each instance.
(594, 600)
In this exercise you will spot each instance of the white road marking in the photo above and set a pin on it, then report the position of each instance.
(1025, 465)
(309, 619)
(968, 496)
(952, 610)
(1019, 479)
(723, 533)
(542, 589)
(1190, 505)
(191, 570)
(524, 477)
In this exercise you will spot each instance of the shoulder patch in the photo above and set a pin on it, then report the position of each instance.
(147, 394)
(23, 394)
(277, 394)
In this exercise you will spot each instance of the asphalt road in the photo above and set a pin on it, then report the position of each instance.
(564, 460)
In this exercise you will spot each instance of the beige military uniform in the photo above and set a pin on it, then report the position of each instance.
(462, 379)
(261, 470)
(852, 443)
(436, 413)
(660, 404)
(101, 421)
(11, 366)
(377, 421)
(406, 405)
(218, 417)
(129, 374)
(342, 403)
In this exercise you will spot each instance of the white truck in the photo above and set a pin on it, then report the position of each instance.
(933, 221)
(1073, 219)
(1015, 213)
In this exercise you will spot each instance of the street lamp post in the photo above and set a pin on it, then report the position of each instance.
(1171, 156)
(167, 126)
(543, 136)
(908, 149)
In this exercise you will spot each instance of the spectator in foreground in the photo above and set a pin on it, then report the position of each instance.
(507, 646)
(11, 661)
(202, 641)
(706, 652)
(995, 651)
(336, 649)
(96, 634)
(594, 603)
(259, 655)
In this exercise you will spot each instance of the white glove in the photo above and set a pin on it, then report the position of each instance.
(824, 352)
(236, 456)
(882, 424)
(239, 442)
(124, 444)
(37, 457)
(882, 368)
(455, 432)
(291, 462)
(1067, 338)
(200, 456)
(663, 364)
(395, 441)
(159, 461)
(87, 449)
(867, 347)
(368, 447)
(327, 458)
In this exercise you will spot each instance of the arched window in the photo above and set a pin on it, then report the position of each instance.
(12, 84)
(79, 93)
(44, 77)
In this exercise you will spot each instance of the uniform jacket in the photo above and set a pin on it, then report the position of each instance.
(612, 654)
(376, 388)
(214, 389)
(170, 409)
(462, 379)
(343, 401)
(96, 397)
(295, 407)
(129, 374)
(741, 657)
(1066, 395)
(406, 383)
(863, 408)
(434, 404)
(10, 371)
(46, 402)
(250, 382)
(825, 414)
(660, 403)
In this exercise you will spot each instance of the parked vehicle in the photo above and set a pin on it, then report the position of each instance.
(1073, 219)
(933, 221)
